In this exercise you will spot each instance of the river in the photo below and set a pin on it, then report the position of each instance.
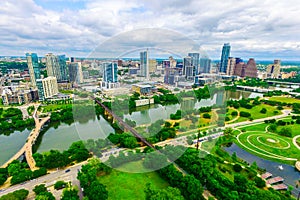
(64, 135)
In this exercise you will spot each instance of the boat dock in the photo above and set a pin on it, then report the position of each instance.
(272, 182)
(276, 179)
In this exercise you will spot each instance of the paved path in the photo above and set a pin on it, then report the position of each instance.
(27, 148)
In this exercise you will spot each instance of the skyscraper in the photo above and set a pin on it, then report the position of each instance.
(47, 87)
(188, 67)
(224, 58)
(110, 72)
(231, 66)
(33, 66)
(195, 62)
(75, 72)
(273, 70)
(246, 70)
(56, 66)
(144, 67)
(205, 65)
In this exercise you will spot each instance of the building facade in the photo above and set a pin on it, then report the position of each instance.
(273, 70)
(224, 58)
(56, 67)
(47, 87)
(188, 68)
(75, 72)
(246, 70)
(144, 65)
(10, 96)
(205, 65)
(195, 62)
(33, 66)
(231, 66)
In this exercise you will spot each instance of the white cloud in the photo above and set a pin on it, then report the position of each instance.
(261, 27)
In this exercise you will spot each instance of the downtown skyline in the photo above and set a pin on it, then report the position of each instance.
(263, 30)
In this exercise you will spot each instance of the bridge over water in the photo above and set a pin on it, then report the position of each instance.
(27, 148)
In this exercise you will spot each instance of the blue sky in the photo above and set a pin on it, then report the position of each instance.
(60, 5)
(260, 29)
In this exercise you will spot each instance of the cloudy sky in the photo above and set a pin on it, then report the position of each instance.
(261, 29)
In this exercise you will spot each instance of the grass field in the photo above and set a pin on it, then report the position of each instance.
(255, 111)
(257, 127)
(122, 185)
(270, 146)
(285, 99)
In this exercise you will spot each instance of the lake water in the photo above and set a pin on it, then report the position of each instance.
(289, 173)
(64, 135)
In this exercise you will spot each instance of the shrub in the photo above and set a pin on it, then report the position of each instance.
(245, 114)
(237, 168)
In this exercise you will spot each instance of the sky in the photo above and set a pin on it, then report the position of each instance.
(264, 30)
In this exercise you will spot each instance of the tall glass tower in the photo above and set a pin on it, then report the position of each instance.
(144, 64)
(110, 73)
(195, 62)
(33, 66)
(224, 58)
(56, 66)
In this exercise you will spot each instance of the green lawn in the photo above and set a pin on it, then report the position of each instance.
(255, 111)
(285, 99)
(122, 185)
(256, 127)
(259, 144)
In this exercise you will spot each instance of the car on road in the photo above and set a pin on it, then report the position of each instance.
(68, 170)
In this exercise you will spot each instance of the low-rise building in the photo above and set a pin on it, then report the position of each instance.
(14, 96)
(143, 102)
(142, 89)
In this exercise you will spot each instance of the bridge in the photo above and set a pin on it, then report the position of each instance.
(27, 148)
(125, 126)
(282, 83)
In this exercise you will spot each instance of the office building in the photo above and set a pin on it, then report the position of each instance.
(173, 62)
(273, 70)
(188, 68)
(110, 76)
(195, 62)
(144, 64)
(47, 87)
(205, 65)
(56, 67)
(224, 58)
(152, 65)
(142, 89)
(75, 72)
(246, 70)
(170, 74)
(33, 66)
(231, 66)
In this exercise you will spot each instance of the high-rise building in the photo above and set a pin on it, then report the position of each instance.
(246, 70)
(33, 66)
(110, 76)
(273, 70)
(110, 72)
(231, 66)
(152, 65)
(224, 58)
(188, 68)
(195, 62)
(75, 72)
(47, 87)
(56, 66)
(144, 67)
(173, 62)
(205, 65)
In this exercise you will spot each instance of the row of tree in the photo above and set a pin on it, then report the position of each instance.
(55, 159)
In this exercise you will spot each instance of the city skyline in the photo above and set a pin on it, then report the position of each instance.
(73, 26)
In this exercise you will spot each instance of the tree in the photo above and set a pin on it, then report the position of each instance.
(263, 111)
(245, 114)
(259, 182)
(59, 185)
(70, 194)
(169, 193)
(45, 196)
(38, 189)
(96, 191)
(272, 128)
(237, 168)
(286, 131)
(206, 116)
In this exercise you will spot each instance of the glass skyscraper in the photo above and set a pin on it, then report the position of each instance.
(224, 58)
(56, 67)
(33, 66)
(144, 67)
(110, 72)
(205, 65)
(195, 62)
